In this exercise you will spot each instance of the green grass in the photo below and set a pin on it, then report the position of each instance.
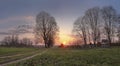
(5, 51)
(11, 54)
(75, 57)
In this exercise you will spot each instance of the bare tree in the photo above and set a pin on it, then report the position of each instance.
(118, 34)
(11, 41)
(26, 41)
(92, 19)
(118, 28)
(80, 29)
(46, 28)
(109, 14)
(6, 41)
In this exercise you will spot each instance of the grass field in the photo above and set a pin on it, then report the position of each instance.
(75, 57)
(4, 51)
(11, 54)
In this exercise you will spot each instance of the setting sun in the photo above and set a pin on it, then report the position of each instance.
(65, 39)
(64, 42)
(59, 32)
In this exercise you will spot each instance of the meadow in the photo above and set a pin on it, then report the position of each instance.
(75, 57)
(11, 54)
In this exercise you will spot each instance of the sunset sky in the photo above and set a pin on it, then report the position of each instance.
(19, 12)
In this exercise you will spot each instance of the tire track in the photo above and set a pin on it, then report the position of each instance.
(5, 64)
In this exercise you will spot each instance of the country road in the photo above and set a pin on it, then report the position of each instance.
(5, 64)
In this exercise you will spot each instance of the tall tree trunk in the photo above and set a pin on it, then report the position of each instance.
(109, 39)
(85, 42)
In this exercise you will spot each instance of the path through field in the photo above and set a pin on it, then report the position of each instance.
(75, 57)
(23, 58)
(15, 55)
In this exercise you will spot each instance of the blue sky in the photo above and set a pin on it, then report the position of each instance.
(18, 12)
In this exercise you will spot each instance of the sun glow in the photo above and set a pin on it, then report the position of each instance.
(64, 42)
(65, 39)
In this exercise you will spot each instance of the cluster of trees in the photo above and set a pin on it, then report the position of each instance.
(97, 24)
(46, 28)
(14, 41)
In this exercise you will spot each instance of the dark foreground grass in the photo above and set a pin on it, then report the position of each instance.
(5, 51)
(75, 57)
(12, 54)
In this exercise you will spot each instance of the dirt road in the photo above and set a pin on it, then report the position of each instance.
(5, 64)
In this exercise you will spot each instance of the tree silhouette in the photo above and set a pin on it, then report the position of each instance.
(46, 28)
(109, 15)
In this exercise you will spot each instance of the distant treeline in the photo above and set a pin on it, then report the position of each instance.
(14, 41)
